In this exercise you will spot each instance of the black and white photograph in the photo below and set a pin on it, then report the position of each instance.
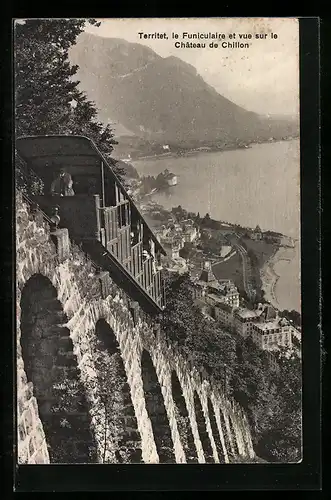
(158, 248)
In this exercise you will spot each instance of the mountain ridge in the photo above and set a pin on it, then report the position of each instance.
(164, 99)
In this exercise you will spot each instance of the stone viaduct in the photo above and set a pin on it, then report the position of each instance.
(96, 380)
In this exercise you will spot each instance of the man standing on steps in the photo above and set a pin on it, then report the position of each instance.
(62, 185)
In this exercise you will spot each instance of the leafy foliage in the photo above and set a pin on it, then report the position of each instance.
(47, 99)
(292, 316)
(271, 398)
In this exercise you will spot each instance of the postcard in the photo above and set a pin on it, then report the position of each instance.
(158, 252)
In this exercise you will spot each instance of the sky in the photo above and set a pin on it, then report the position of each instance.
(263, 78)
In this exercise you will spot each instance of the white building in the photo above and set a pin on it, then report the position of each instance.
(190, 234)
(264, 326)
(173, 247)
(190, 231)
(257, 234)
(295, 333)
(272, 334)
(229, 292)
(243, 321)
(224, 314)
(207, 285)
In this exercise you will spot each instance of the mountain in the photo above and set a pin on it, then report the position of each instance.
(164, 100)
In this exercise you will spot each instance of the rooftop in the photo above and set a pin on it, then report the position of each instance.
(274, 323)
(200, 303)
(207, 275)
(214, 285)
(246, 313)
(100, 215)
(269, 325)
(228, 289)
(215, 297)
(220, 303)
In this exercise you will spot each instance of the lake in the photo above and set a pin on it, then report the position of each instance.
(259, 185)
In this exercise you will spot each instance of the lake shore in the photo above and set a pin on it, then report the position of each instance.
(269, 275)
(213, 183)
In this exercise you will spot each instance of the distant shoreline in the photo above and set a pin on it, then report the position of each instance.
(146, 201)
(207, 149)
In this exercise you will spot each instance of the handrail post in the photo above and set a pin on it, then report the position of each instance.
(97, 210)
(103, 183)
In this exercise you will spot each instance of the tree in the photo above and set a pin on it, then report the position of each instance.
(186, 251)
(47, 98)
(292, 316)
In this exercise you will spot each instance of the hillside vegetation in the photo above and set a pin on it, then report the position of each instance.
(272, 399)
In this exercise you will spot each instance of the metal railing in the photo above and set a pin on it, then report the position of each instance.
(117, 240)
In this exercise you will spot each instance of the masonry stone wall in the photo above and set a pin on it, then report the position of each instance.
(69, 406)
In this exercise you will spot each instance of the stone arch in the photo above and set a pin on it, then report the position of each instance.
(119, 421)
(156, 410)
(245, 438)
(226, 436)
(204, 436)
(51, 367)
(240, 437)
(233, 437)
(183, 420)
(215, 431)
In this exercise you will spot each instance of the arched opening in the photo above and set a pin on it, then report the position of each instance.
(51, 366)
(183, 420)
(243, 436)
(156, 411)
(234, 437)
(215, 431)
(225, 435)
(204, 437)
(119, 419)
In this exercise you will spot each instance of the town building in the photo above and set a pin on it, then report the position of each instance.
(190, 232)
(264, 326)
(174, 236)
(229, 292)
(169, 177)
(243, 321)
(257, 234)
(272, 333)
(224, 314)
(162, 232)
(295, 333)
(172, 246)
(220, 300)
(221, 296)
